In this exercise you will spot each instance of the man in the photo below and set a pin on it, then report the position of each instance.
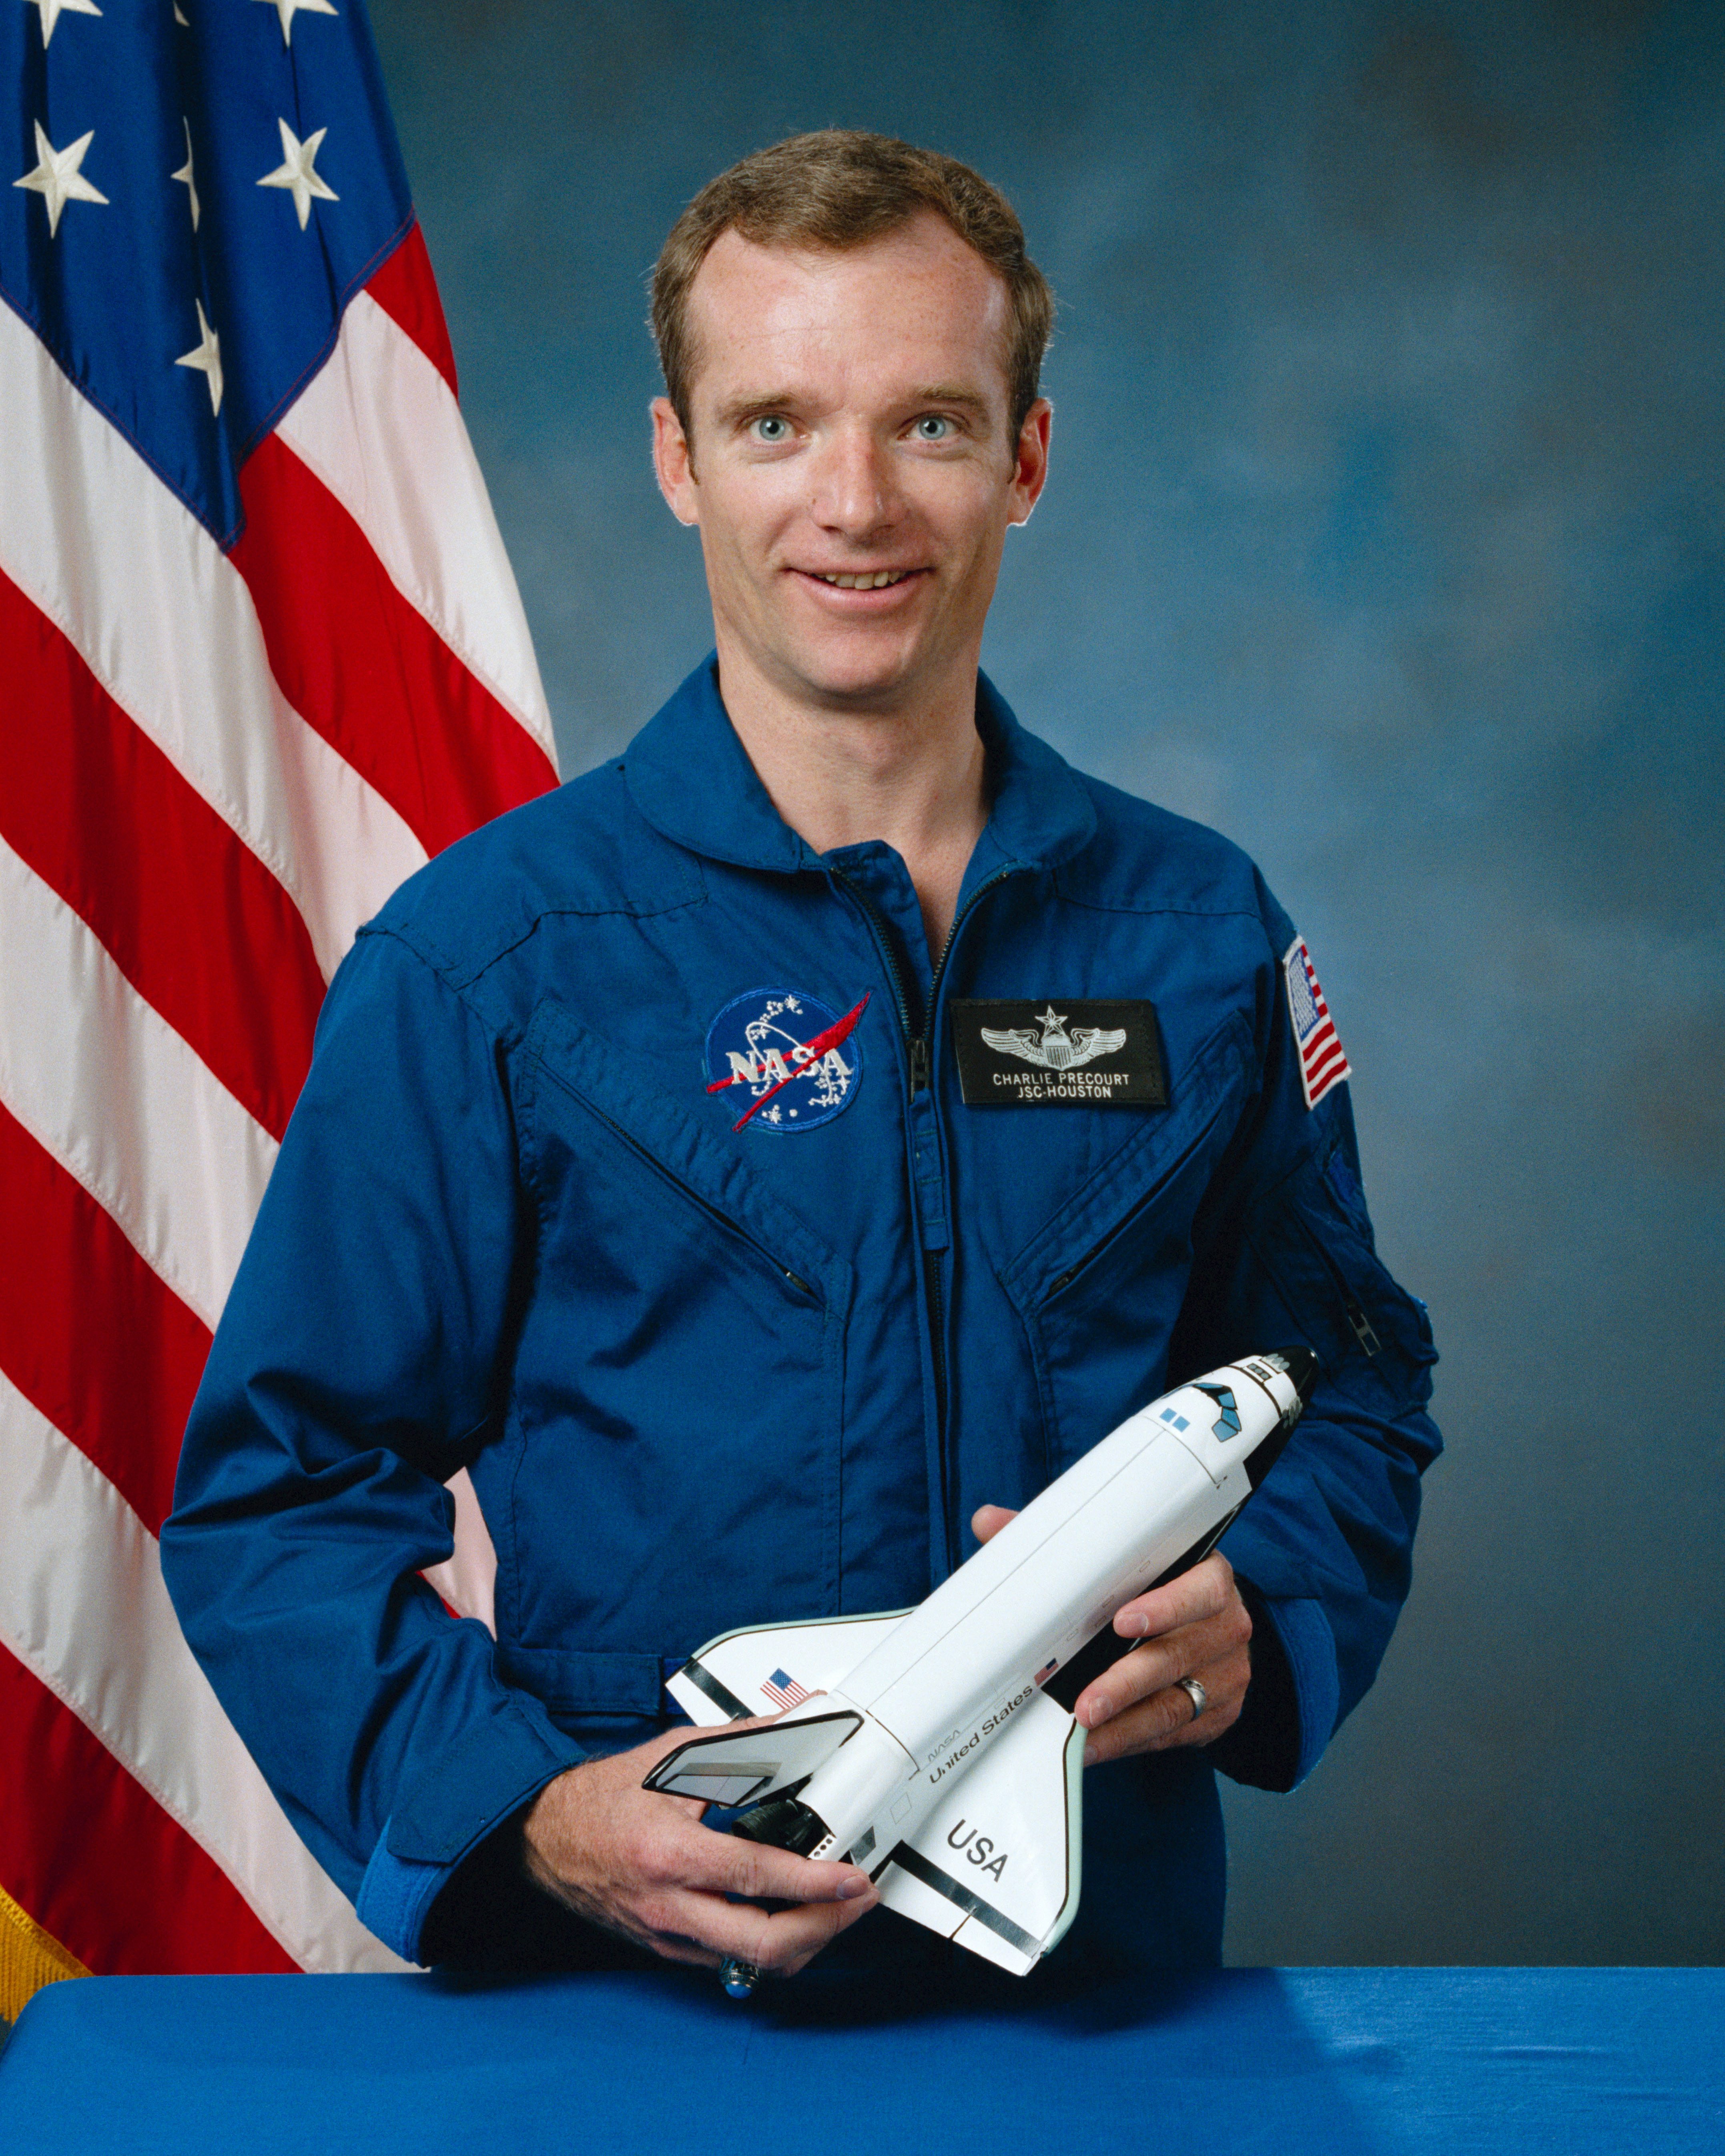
(656, 1166)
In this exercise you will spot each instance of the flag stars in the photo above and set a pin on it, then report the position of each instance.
(206, 358)
(295, 173)
(185, 172)
(57, 178)
(52, 11)
(286, 10)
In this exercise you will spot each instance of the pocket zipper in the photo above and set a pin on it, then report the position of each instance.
(714, 1213)
(1352, 1309)
(1064, 1280)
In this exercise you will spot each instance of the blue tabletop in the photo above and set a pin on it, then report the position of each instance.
(1352, 2063)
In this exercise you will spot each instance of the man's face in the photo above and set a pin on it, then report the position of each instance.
(849, 420)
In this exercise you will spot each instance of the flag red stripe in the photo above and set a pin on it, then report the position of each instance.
(92, 1857)
(1315, 1062)
(92, 1338)
(405, 289)
(97, 811)
(364, 667)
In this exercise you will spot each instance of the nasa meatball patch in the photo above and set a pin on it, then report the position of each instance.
(1057, 1052)
(786, 1059)
(1322, 1062)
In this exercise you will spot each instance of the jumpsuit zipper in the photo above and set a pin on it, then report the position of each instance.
(919, 1054)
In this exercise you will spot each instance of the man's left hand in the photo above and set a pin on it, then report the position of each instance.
(1195, 1626)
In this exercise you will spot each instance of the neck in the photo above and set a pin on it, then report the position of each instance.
(914, 778)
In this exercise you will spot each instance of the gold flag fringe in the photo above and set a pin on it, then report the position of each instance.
(29, 1959)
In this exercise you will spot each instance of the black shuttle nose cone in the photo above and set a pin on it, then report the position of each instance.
(1301, 1365)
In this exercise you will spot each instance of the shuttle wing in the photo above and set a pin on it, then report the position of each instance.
(745, 1766)
(995, 1866)
(766, 1668)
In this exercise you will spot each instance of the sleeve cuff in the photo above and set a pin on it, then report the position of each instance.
(1294, 1698)
(1304, 1632)
(396, 1895)
(480, 1781)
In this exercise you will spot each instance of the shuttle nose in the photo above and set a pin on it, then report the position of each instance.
(1301, 1366)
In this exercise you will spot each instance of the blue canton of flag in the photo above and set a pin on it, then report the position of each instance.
(192, 205)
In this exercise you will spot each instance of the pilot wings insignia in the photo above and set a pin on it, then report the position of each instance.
(1056, 1049)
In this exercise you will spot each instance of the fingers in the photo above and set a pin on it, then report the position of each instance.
(1203, 1631)
(725, 1864)
(1207, 1590)
(687, 1924)
(987, 1520)
(1165, 1719)
(778, 1941)
(640, 1864)
(1213, 1652)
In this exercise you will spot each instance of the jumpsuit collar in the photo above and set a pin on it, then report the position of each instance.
(692, 779)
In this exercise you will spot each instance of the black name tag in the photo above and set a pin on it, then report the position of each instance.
(1058, 1052)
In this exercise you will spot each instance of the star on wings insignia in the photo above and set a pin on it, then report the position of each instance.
(1056, 1049)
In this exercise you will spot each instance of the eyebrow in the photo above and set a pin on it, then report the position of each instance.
(949, 392)
(745, 408)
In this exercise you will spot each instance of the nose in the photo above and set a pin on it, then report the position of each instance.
(856, 492)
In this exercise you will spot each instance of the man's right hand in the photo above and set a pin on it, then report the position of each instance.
(640, 1864)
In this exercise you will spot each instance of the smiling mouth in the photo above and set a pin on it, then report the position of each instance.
(865, 580)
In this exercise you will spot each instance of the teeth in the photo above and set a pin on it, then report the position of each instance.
(871, 581)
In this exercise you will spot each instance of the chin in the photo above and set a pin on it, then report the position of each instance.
(860, 676)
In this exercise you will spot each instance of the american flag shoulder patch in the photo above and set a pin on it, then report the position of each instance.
(783, 1690)
(1324, 1062)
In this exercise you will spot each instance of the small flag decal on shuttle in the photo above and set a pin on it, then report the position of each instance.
(783, 1690)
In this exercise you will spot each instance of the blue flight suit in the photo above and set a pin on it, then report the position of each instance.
(711, 1363)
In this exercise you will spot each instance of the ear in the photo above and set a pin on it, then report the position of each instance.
(674, 461)
(1030, 463)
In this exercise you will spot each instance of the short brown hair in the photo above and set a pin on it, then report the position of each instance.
(841, 188)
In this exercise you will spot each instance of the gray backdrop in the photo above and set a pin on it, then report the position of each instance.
(1385, 533)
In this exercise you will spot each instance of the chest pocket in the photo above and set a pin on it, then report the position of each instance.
(1100, 1288)
(678, 1387)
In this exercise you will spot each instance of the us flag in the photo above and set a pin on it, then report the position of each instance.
(262, 653)
(783, 1690)
(1322, 1063)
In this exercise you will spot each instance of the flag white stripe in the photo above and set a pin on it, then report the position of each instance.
(380, 428)
(102, 1080)
(83, 1606)
(165, 623)
(468, 1580)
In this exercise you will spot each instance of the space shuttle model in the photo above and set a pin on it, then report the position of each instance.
(936, 1748)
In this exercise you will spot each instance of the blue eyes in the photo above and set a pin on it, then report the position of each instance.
(772, 430)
